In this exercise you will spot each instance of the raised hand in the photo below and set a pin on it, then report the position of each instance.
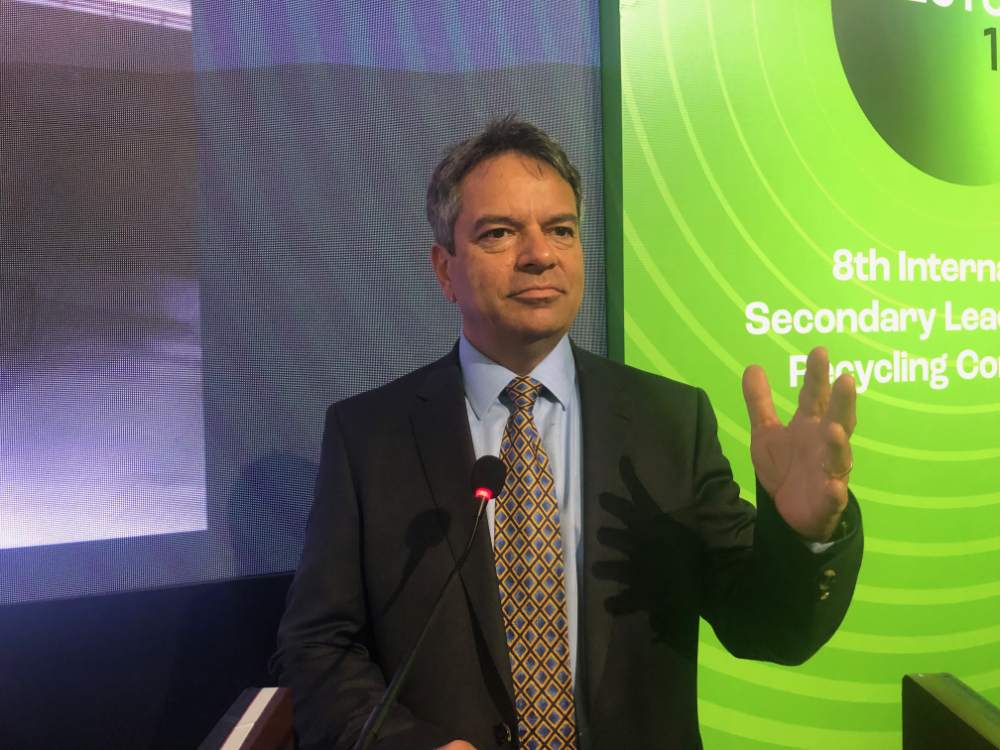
(805, 465)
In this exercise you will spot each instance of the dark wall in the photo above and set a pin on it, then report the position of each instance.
(142, 671)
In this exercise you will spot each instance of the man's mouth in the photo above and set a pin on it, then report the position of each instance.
(537, 292)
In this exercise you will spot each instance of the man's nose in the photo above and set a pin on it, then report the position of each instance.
(535, 251)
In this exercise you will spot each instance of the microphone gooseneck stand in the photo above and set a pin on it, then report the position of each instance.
(377, 717)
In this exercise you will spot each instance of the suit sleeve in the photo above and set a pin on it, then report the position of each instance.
(764, 592)
(326, 651)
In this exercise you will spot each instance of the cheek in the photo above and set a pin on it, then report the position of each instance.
(468, 280)
(575, 271)
(489, 281)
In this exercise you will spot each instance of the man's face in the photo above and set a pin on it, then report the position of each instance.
(517, 272)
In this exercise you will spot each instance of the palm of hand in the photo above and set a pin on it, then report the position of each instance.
(804, 465)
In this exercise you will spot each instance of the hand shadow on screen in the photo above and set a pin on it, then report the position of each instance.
(426, 531)
(266, 513)
(654, 558)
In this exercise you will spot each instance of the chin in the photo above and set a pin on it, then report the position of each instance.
(538, 330)
(539, 323)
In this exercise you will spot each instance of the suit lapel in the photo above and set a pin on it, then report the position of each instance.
(441, 428)
(606, 415)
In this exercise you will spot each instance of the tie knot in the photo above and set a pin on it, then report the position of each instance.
(523, 392)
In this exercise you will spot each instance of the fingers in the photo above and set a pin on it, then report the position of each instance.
(641, 499)
(838, 425)
(616, 539)
(843, 402)
(608, 570)
(619, 507)
(815, 393)
(838, 459)
(757, 394)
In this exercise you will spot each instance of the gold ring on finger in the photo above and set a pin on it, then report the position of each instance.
(838, 474)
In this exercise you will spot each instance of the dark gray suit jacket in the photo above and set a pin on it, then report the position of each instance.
(666, 540)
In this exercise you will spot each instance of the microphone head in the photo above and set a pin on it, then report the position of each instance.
(488, 476)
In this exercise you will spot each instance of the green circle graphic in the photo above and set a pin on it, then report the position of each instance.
(924, 74)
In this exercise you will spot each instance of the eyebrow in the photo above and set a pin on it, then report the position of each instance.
(483, 221)
(562, 218)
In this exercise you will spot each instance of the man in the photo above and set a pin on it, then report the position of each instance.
(575, 621)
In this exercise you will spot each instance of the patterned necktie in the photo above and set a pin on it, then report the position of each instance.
(530, 571)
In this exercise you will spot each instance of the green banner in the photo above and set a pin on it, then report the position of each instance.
(799, 173)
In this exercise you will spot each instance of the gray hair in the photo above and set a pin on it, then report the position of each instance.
(444, 198)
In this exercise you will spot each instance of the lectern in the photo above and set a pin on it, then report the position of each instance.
(260, 719)
(940, 712)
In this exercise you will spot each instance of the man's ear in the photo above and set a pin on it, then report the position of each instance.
(441, 260)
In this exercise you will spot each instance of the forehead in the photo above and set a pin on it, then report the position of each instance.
(513, 180)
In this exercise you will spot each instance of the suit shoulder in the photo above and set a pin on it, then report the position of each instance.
(637, 380)
(392, 398)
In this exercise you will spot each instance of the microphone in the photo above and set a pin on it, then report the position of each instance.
(488, 477)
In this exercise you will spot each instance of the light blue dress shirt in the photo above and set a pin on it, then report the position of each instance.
(557, 417)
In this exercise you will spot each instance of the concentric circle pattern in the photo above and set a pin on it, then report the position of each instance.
(748, 164)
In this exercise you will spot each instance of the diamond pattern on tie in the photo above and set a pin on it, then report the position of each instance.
(530, 571)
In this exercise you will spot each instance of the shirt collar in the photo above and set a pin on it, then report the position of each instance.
(485, 379)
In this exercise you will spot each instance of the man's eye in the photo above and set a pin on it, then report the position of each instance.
(496, 234)
(563, 231)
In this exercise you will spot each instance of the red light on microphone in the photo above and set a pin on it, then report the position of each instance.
(488, 477)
